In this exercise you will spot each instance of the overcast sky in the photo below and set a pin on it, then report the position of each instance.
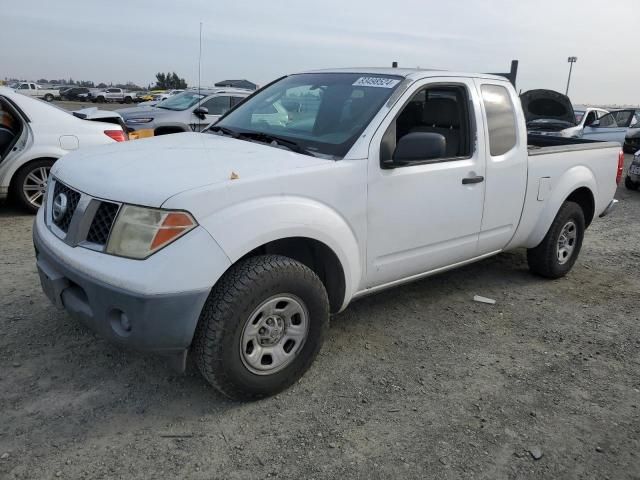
(119, 41)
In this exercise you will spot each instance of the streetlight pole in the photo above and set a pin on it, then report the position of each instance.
(571, 61)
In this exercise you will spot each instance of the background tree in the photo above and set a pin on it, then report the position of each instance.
(169, 81)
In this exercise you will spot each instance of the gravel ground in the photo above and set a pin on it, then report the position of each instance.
(417, 382)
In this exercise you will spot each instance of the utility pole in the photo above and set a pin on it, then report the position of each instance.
(571, 61)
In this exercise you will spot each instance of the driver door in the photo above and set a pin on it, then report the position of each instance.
(427, 215)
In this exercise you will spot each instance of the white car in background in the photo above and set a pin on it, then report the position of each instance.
(34, 134)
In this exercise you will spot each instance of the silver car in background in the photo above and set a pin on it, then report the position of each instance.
(189, 111)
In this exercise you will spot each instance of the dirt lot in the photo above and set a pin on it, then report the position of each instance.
(417, 382)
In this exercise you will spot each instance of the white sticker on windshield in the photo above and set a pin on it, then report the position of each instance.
(380, 82)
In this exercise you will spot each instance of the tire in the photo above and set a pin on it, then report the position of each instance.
(100, 99)
(238, 305)
(630, 184)
(48, 97)
(24, 182)
(128, 100)
(545, 259)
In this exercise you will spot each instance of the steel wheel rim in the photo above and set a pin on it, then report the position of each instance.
(567, 242)
(274, 334)
(35, 185)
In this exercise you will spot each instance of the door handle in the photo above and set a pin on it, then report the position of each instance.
(476, 179)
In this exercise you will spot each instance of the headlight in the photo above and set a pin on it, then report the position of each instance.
(139, 120)
(139, 232)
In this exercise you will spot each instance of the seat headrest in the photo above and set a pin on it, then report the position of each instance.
(441, 112)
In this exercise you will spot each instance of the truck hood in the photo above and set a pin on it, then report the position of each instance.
(547, 105)
(149, 171)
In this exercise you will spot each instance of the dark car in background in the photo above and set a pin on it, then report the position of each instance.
(73, 93)
(632, 140)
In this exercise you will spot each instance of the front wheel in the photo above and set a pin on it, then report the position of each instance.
(261, 327)
(30, 184)
(559, 249)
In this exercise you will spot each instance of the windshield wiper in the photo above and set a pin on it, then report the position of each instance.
(225, 130)
(264, 138)
(271, 139)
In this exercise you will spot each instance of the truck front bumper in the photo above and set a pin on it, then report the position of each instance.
(162, 322)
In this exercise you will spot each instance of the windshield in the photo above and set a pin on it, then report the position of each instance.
(579, 115)
(322, 113)
(182, 101)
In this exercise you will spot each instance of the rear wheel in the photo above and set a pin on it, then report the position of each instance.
(128, 100)
(30, 183)
(48, 97)
(100, 99)
(630, 184)
(261, 327)
(559, 249)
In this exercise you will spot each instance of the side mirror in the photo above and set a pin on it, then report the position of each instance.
(418, 147)
(201, 112)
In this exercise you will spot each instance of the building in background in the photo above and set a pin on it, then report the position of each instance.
(237, 84)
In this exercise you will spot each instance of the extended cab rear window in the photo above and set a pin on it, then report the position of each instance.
(501, 119)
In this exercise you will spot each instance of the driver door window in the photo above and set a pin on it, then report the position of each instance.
(442, 110)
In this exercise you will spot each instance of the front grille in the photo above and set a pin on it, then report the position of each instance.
(73, 198)
(102, 223)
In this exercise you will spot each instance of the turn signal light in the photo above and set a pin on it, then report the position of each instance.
(174, 225)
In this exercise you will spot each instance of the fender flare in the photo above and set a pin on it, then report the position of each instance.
(573, 179)
(266, 219)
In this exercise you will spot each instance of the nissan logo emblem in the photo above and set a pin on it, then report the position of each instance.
(59, 206)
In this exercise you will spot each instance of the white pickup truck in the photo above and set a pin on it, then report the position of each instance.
(237, 244)
(118, 95)
(34, 90)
